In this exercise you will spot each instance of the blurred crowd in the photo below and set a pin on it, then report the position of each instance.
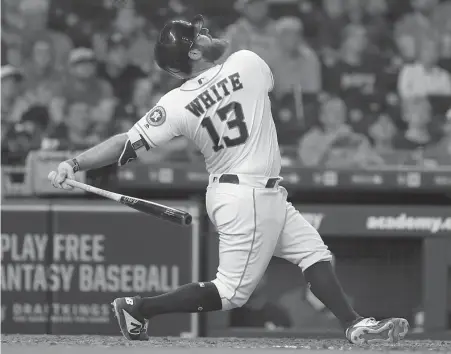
(358, 83)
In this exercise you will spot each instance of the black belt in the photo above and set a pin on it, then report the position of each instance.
(233, 179)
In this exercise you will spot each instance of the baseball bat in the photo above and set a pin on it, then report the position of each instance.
(158, 210)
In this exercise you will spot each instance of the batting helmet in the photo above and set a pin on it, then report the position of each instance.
(174, 43)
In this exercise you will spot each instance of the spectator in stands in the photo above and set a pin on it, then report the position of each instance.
(371, 15)
(294, 63)
(417, 114)
(330, 27)
(424, 77)
(406, 48)
(356, 77)
(35, 20)
(254, 30)
(445, 36)
(36, 100)
(118, 70)
(11, 92)
(14, 55)
(333, 143)
(75, 132)
(288, 115)
(441, 152)
(382, 132)
(19, 105)
(297, 76)
(429, 18)
(24, 136)
(81, 19)
(40, 79)
(140, 103)
(308, 11)
(12, 24)
(41, 69)
(137, 31)
(403, 53)
(82, 85)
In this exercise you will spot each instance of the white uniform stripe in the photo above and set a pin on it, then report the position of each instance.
(252, 247)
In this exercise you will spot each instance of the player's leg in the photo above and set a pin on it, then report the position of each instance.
(301, 244)
(133, 313)
(249, 222)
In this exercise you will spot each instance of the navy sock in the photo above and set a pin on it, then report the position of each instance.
(193, 297)
(326, 287)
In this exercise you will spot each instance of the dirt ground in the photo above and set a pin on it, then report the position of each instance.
(52, 344)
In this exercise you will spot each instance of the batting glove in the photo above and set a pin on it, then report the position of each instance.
(65, 170)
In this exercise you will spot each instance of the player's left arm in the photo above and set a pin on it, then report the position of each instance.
(103, 154)
(150, 131)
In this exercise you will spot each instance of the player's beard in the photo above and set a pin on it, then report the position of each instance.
(215, 50)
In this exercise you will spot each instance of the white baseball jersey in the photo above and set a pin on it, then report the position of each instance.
(226, 111)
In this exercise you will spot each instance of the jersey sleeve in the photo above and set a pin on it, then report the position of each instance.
(255, 65)
(158, 126)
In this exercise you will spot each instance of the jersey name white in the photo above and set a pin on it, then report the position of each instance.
(226, 112)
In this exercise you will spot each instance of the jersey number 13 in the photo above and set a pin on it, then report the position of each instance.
(238, 123)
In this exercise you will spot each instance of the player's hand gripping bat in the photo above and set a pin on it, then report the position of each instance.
(160, 211)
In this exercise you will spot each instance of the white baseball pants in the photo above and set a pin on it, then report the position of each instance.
(254, 223)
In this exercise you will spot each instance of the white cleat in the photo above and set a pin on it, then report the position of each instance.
(370, 331)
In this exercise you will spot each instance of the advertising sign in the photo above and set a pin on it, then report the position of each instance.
(91, 254)
(27, 280)
(380, 221)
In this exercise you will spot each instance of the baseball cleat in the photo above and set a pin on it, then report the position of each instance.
(132, 324)
(370, 331)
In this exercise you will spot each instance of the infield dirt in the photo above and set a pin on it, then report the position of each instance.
(53, 344)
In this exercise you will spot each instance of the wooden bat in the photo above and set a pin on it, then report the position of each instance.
(160, 211)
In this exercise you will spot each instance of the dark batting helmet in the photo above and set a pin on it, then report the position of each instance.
(174, 43)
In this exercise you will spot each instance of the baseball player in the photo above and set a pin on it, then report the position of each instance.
(225, 110)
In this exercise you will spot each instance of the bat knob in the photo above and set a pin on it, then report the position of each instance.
(188, 219)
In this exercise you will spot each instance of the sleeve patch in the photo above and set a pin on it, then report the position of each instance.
(155, 117)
